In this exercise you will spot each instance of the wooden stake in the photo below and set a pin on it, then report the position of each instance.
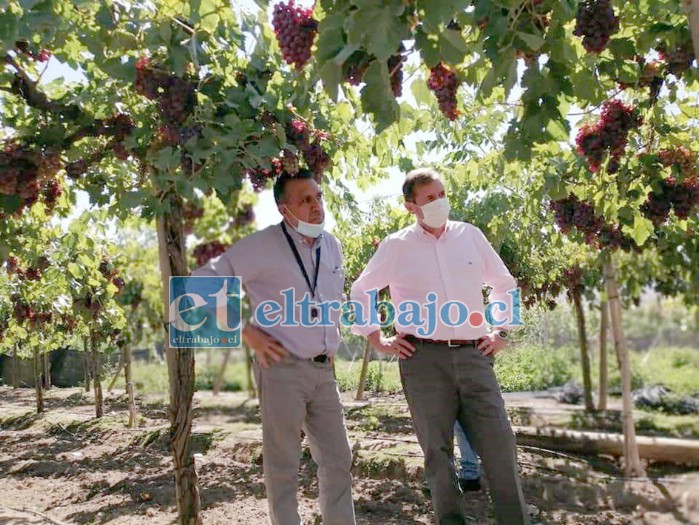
(603, 367)
(633, 465)
(219, 377)
(584, 349)
(363, 373)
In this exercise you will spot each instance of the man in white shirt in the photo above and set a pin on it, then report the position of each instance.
(294, 372)
(446, 360)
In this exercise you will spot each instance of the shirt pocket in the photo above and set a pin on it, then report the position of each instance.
(335, 274)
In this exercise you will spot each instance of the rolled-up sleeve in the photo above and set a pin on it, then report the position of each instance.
(376, 276)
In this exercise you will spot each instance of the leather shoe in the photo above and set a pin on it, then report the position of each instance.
(470, 485)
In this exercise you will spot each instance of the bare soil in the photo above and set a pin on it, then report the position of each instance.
(64, 467)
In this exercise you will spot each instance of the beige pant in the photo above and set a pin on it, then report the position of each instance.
(298, 394)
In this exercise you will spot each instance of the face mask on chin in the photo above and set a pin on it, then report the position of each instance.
(307, 229)
(436, 213)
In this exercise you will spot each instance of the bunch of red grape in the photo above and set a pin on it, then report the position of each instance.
(295, 29)
(608, 135)
(572, 280)
(317, 159)
(205, 252)
(355, 66)
(111, 272)
(24, 171)
(51, 191)
(191, 211)
(298, 133)
(23, 47)
(395, 69)
(259, 177)
(22, 311)
(444, 83)
(678, 60)
(244, 217)
(682, 158)
(596, 23)
(176, 96)
(290, 162)
(669, 193)
(572, 212)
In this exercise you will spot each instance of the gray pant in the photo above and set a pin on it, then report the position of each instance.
(298, 394)
(445, 384)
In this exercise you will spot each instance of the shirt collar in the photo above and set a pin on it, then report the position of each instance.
(420, 230)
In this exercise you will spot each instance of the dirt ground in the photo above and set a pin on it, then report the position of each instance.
(64, 467)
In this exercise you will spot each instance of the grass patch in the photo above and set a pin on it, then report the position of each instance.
(382, 376)
(528, 367)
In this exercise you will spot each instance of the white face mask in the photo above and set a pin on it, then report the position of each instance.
(436, 213)
(307, 229)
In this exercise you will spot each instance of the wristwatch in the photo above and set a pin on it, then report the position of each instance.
(502, 334)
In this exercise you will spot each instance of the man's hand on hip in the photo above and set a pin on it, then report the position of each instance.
(398, 345)
(491, 344)
(267, 349)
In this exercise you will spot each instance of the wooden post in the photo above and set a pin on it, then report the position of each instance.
(87, 367)
(46, 370)
(38, 382)
(173, 262)
(15, 382)
(118, 372)
(219, 377)
(603, 367)
(129, 386)
(584, 349)
(363, 373)
(96, 374)
(632, 460)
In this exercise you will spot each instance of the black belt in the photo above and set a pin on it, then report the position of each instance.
(322, 358)
(451, 343)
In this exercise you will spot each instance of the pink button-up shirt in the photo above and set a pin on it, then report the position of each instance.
(455, 267)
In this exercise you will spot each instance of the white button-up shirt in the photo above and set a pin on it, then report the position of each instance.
(266, 265)
(454, 267)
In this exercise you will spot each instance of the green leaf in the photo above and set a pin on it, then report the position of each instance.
(377, 97)
(428, 47)
(441, 11)
(534, 42)
(642, 229)
(377, 27)
(331, 75)
(74, 270)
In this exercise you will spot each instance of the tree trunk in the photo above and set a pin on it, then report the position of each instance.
(363, 373)
(47, 370)
(252, 387)
(665, 450)
(584, 349)
(633, 465)
(603, 367)
(692, 7)
(87, 367)
(13, 371)
(38, 382)
(173, 262)
(129, 386)
(219, 377)
(96, 375)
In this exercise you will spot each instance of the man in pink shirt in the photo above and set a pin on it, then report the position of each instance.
(446, 359)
